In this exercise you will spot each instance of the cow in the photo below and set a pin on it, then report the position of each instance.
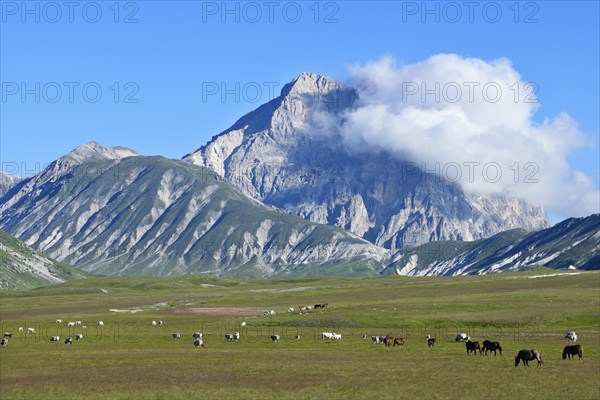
(398, 341)
(68, 341)
(154, 323)
(78, 337)
(59, 321)
(375, 339)
(336, 336)
(176, 336)
(229, 337)
(243, 324)
(7, 334)
(275, 338)
(236, 336)
(4, 342)
(326, 335)
(77, 322)
(297, 337)
(462, 337)
(529, 355)
(321, 305)
(54, 338)
(491, 346)
(572, 351)
(20, 329)
(30, 330)
(472, 347)
(160, 322)
(388, 341)
(198, 342)
(291, 310)
(430, 341)
(571, 336)
(100, 323)
(71, 324)
(197, 335)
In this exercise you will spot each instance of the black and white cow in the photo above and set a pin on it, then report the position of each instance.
(68, 341)
(176, 336)
(198, 342)
(79, 337)
(54, 338)
(4, 342)
(197, 335)
(275, 338)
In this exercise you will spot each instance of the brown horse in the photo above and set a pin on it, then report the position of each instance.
(572, 351)
(529, 355)
(398, 341)
(491, 346)
(388, 341)
(473, 347)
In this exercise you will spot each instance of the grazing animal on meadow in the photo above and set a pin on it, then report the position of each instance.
(275, 338)
(229, 337)
(326, 335)
(572, 351)
(462, 337)
(473, 347)
(198, 342)
(79, 337)
(388, 341)
(197, 335)
(236, 336)
(54, 338)
(336, 336)
(398, 341)
(4, 342)
(529, 355)
(7, 334)
(291, 309)
(176, 336)
(571, 336)
(30, 330)
(375, 339)
(160, 322)
(71, 324)
(68, 341)
(154, 323)
(100, 323)
(243, 324)
(297, 337)
(20, 329)
(59, 321)
(324, 305)
(491, 346)
(430, 341)
(77, 322)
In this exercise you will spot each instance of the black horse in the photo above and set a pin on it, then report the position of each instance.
(491, 346)
(572, 351)
(529, 355)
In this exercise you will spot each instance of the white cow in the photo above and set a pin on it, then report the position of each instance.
(291, 309)
(154, 323)
(571, 336)
(243, 323)
(30, 330)
(100, 323)
(462, 337)
(336, 336)
(77, 322)
(71, 324)
(59, 321)
(20, 329)
(326, 335)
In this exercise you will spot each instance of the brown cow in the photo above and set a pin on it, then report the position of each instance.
(572, 351)
(473, 347)
(8, 334)
(398, 342)
(324, 305)
(529, 355)
(388, 341)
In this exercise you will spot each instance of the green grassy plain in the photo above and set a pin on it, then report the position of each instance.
(129, 358)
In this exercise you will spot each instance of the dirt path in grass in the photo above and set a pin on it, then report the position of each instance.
(229, 311)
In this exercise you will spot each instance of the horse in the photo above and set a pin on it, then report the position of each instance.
(491, 346)
(572, 351)
(389, 341)
(473, 347)
(529, 355)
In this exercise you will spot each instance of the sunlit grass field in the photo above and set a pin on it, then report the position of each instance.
(128, 358)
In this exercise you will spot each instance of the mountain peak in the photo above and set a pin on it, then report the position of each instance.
(94, 151)
(310, 83)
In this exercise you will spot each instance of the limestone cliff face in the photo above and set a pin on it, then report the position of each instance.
(284, 155)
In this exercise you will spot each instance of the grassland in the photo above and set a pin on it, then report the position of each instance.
(129, 358)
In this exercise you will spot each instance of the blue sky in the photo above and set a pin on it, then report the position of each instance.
(155, 60)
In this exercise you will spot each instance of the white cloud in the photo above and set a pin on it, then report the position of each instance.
(470, 117)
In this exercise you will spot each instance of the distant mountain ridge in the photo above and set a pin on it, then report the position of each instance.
(110, 211)
(21, 267)
(570, 244)
(281, 156)
(7, 181)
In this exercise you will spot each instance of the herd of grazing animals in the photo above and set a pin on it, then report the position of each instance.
(523, 356)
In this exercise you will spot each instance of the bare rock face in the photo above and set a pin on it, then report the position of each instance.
(286, 155)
